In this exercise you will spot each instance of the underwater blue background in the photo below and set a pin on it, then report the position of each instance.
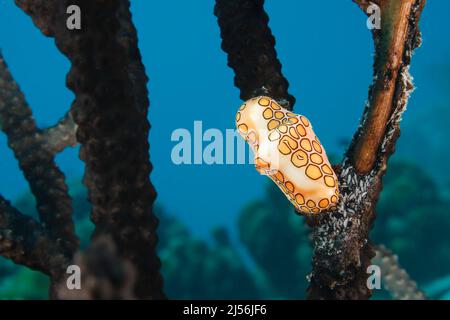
(327, 54)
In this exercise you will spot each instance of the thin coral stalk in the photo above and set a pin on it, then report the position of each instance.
(60, 136)
(250, 45)
(26, 242)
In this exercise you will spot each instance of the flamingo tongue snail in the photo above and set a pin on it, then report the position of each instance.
(288, 151)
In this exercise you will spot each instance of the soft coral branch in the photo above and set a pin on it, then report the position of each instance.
(250, 45)
(46, 181)
(395, 279)
(26, 242)
(60, 136)
(342, 249)
(109, 82)
(392, 55)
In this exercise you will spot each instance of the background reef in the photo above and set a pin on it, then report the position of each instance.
(271, 260)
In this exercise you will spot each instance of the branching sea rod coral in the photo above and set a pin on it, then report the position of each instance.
(342, 249)
(288, 151)
(110, 118)
(250, 45)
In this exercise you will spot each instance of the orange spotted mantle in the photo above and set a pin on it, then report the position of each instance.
(287, 150)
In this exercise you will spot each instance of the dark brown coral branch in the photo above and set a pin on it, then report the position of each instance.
(109, 82)
(248, 41)
(26, 242)
(342, 249)
(391, 48)
(395, 279)
(46, 181)
(364, 4)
